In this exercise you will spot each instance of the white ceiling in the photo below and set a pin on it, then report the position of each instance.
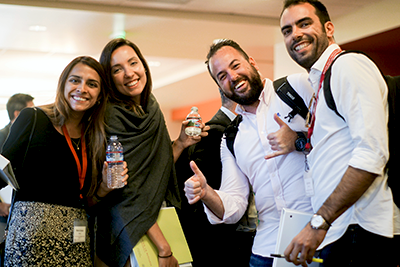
(174, 35)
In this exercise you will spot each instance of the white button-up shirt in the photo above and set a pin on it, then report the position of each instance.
(360, 94)
(277, 182)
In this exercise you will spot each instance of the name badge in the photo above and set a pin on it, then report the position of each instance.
(80, 228)
(308, 183)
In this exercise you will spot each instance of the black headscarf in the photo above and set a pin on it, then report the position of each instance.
(126, 214)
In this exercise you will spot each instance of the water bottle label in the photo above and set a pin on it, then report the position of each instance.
(193, 123)
(116, 156)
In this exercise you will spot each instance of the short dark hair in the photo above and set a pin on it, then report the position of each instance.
(320, 9)
(17, 102)
(218, 44)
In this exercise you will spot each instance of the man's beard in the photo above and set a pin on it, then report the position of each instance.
(252, 95)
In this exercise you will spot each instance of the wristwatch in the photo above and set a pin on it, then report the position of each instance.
(318, 222)
(301, 141)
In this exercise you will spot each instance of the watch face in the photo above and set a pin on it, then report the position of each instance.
(300, 144)
(317, 221)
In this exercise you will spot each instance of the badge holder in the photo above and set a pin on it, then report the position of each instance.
(80, 228)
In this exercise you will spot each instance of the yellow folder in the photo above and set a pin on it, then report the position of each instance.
(146, 252)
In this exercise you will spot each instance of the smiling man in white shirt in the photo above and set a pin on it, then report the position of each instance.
(355, 217)
(277, 182)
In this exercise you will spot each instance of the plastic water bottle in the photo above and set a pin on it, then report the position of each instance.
(114, 158)
(193, 127)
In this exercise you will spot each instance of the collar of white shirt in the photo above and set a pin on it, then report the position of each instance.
(264, 96)
(318, 67)
(228, 113)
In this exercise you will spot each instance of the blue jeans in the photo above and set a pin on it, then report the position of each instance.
(360, 248)
(260, 261)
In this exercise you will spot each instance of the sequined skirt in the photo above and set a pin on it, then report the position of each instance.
(41, 234)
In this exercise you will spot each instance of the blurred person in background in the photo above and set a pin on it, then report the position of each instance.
(15, 104)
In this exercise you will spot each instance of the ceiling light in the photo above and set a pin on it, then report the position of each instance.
(38, 28)
(164, 1)
(118, 26)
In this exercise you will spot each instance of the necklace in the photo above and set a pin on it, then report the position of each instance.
(76, 143)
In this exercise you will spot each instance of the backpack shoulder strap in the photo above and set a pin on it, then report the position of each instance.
(327, 82)
(231, 131)
(288, 95)
(393, 83)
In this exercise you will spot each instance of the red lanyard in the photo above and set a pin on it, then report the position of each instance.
(327, 65)
(81, 169)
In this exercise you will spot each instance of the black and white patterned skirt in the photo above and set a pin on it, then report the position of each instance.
(41, 234)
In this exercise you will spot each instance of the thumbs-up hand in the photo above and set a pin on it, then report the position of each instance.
(281, 141)
(196, 186)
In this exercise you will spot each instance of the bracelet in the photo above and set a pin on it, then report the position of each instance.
(97, 197)
(164, 257)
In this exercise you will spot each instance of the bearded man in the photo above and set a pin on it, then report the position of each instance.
(277, 182)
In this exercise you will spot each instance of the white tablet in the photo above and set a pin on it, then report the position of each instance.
(291, 223)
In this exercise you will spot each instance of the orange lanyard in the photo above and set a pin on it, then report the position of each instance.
(81, 169)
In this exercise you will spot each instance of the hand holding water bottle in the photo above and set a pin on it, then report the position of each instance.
(115, 169)
(124, 175)
(115, 159)
(193, 128)
(187, 135)
(103, 189)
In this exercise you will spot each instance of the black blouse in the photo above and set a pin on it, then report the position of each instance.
(49, 173)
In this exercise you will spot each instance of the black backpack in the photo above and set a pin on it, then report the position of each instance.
(393, 83)
(288, 95)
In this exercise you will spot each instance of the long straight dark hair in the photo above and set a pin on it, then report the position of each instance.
(114, 95)
(60, 111)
